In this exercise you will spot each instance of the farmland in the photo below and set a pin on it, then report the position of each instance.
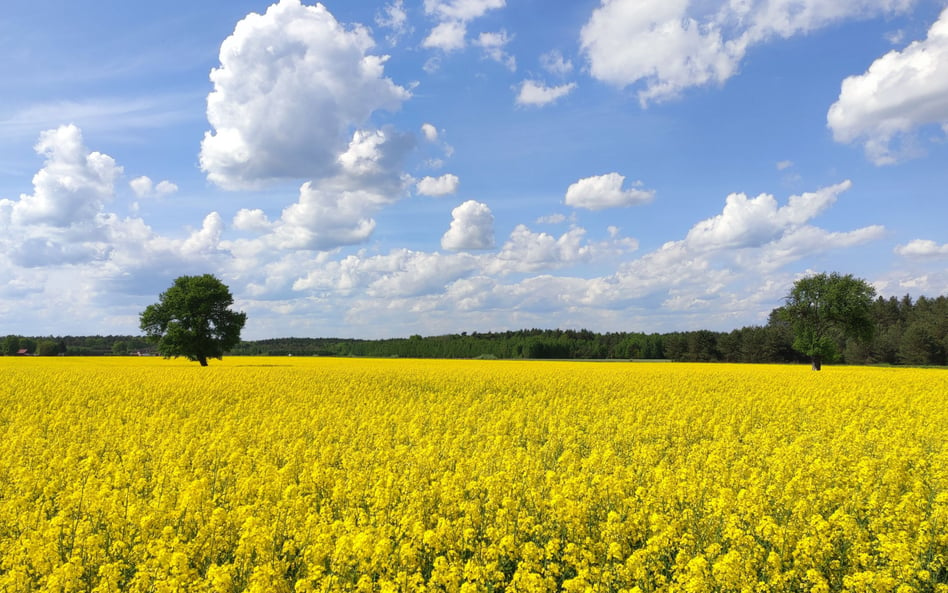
(294, 475)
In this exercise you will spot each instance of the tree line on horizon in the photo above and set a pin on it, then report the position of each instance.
(907, 331)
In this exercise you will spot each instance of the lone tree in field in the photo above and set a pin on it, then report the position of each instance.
(824, 309)
(193, 319)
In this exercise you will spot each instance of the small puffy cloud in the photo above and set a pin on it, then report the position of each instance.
(453, 15)
(900, 93)
(461, 10)
(144, 187)
(291, 84)
(671, 45)
(784, 165)
(394, 18)
(922, 248)
(472, 227)
(493, 45)
(605, 191)
(429, 132)
(447, 36)
(72, 186)
(537, 94)
(438, 186)
(554, 63)
(433, 137)
(164, 188)
(251, 220)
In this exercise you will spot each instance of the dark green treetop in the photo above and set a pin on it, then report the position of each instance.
(824, 308)
(193, 319)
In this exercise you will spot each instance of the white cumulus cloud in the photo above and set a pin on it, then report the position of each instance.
(450, 34)
(339, 210)
(461, 10)
(251, 220)
(144, 187)
(290, 85)
(165, 187)
(324, 219)
(527, 251)
(922, 248)
(668, 46)
(747, 222)
(438, 186)
(605, 191)
(72, 186)
(447, 36)
(901, 92)
(537, 93)
(472, 227)
(430, 132)
(78, 255)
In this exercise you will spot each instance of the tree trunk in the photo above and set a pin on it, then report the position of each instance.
(202, 359)
(816, 363)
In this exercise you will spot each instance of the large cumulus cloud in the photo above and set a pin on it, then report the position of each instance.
(290, 85)
(900, 93)
(667, 46)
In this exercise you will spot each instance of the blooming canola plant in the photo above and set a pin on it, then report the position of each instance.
(302, 474)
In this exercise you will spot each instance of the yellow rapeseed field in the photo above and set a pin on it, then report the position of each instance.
(297, 475)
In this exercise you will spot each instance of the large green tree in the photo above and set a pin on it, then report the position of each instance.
(193, 319)
(825, 309)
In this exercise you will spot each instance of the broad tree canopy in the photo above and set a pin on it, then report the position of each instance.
(193, 319)
(825, 308)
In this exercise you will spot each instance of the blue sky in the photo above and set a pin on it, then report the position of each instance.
(380, 169)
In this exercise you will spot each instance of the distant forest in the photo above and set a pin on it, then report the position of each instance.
(906, 332)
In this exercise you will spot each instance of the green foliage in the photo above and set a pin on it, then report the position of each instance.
(11, 345)
(28, 344)
(47, 348)
(825, 309)
(528, 343)
(193, 319)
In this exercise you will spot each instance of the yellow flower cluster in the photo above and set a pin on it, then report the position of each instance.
(299, 475)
